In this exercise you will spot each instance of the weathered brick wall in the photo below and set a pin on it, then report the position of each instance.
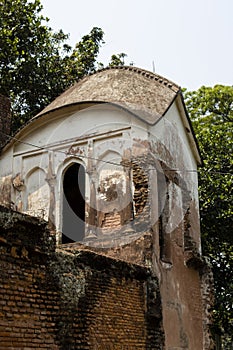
(27, 306)
(71, 300)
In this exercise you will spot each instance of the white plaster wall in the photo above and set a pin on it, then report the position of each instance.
(57, 136)
(95, 135)
(6, 163)
(85, 122)
(184, 151)
(170, 131)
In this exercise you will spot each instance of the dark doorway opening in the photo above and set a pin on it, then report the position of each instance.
(73, 211)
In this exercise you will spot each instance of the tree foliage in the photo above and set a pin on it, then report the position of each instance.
(211, 110)
(117, 60)
(37, 64)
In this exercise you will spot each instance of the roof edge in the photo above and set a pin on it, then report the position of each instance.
(145, 73)
(193, 139)
(148, 74)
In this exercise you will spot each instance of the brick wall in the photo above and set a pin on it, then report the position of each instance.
(71, 300)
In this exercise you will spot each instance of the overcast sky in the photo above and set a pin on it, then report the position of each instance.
(190, 42)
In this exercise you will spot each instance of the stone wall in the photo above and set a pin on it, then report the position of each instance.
(71, 300)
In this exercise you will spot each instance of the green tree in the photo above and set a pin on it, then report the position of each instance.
(117, 60)
(211, 110)
(37, 64)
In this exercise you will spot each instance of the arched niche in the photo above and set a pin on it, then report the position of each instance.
(37, 193)
(114, 198)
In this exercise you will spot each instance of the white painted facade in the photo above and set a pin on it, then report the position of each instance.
(96, 137)
(103, 137)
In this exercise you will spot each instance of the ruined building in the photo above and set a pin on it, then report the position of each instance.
(100, 236)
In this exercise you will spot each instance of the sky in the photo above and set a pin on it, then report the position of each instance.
(189, 42)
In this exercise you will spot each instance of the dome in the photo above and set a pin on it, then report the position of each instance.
(141, 92)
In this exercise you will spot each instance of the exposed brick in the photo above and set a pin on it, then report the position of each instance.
(58, 300)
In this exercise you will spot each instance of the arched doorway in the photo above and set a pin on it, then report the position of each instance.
(73, 209)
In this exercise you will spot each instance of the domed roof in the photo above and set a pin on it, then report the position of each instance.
(146, 95)
(143, 93)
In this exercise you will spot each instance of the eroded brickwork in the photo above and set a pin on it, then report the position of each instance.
(207, 284)
(71, 299)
